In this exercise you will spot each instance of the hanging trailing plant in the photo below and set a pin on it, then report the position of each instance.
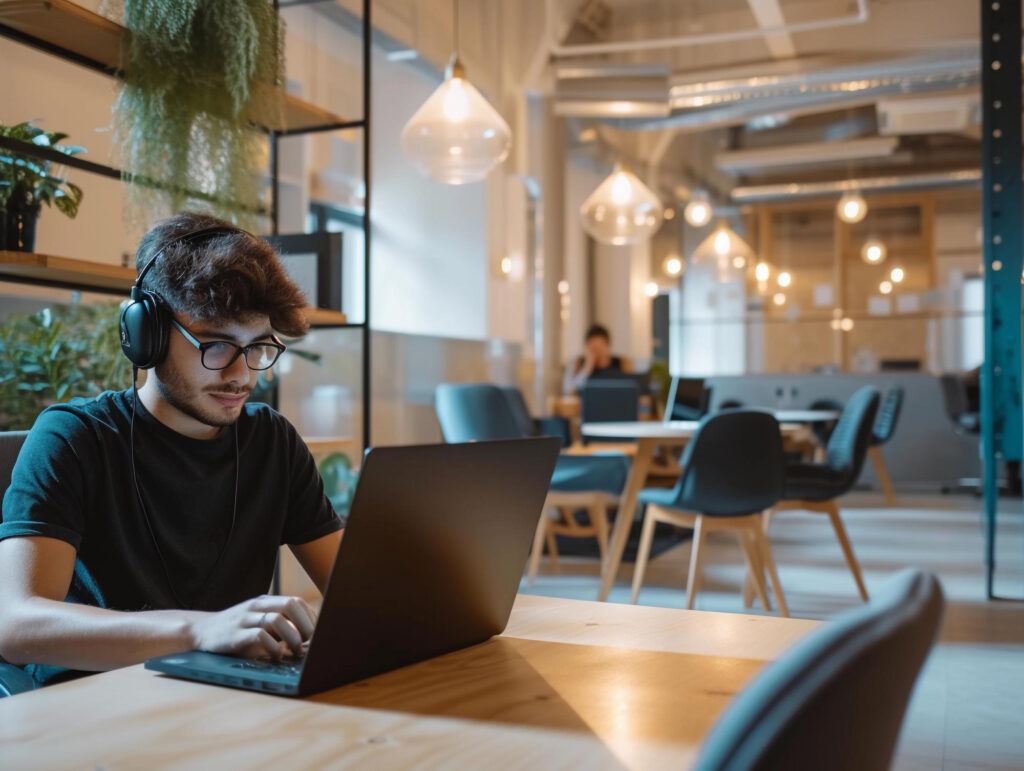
(194, 73)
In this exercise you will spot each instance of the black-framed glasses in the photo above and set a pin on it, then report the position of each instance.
(220, 354)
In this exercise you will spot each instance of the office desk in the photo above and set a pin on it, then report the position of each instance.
(569, 684)
(649, 436)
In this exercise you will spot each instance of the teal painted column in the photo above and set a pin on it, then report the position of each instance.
(1001, 419)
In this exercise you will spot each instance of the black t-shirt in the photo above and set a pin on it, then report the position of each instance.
(73, 481)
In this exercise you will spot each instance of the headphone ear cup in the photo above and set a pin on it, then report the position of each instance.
(145, 329)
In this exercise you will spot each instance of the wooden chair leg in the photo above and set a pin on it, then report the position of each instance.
(882, 472)
(761, 543)
(754, 567)
(538, 546)
(844, 542)
(748, 584)
(693, 581)
(599, 521)
(549, 537)
(643, 553)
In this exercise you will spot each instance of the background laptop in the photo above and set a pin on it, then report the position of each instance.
(433, 552)
(688, 399)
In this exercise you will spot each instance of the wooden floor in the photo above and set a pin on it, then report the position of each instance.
(966, 712)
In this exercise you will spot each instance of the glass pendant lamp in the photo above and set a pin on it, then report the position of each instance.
(622, 210)
(456, 136)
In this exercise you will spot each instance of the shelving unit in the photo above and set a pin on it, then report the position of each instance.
(78, 35)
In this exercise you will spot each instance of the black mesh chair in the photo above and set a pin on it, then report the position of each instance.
(817, 486)
(966, 422)
(884, 428)
(733, 470)
(530, 426)
(836, 699)
(12, 679)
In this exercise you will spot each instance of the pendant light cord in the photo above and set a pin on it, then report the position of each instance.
(455, 26)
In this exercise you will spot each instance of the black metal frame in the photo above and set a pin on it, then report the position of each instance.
(274, 136)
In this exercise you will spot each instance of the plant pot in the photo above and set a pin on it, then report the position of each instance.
(18, 228)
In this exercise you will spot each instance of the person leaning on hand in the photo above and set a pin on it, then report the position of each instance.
(139, 524)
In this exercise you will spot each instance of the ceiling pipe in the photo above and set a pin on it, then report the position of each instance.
(631, 46)
(795, 190)
(735, 100)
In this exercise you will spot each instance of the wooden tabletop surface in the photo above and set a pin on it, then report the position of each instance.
(569, 684)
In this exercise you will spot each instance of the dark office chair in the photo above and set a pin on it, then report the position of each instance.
(816, 486)
(13, 679)
(546, 426)
(822, 430)
(481, 411)
(733, 470)
(731, 404)
(966, 422)
(836, 699)
(884, 428)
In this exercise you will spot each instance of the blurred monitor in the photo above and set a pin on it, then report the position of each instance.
(900, 365)
(688, 399)
(642, 379)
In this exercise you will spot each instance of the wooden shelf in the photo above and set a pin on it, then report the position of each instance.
(47, 268)
(85, 274)
(321, 317)
(97, 40)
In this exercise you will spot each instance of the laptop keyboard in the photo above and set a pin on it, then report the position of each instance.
(288, 666)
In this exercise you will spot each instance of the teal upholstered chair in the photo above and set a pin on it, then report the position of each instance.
(12, 679)
(482, 411)
(817, 486)
(733, 470)
(836, 699)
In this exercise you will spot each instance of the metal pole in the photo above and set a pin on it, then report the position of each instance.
(1001, 418)
(367, 229)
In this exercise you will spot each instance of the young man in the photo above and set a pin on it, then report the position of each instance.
(597, 359)
(137, 526)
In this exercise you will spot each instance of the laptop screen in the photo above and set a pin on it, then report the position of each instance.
(687, 399)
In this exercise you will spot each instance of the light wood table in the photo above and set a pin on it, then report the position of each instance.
(569, 684)
(649, 436)
(321, 446)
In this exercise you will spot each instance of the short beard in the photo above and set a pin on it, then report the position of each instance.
(175, 391)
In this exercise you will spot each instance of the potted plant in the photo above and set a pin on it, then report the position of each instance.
(26, 183)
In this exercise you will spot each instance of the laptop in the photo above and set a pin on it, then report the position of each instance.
(688, 399)
(433, 552)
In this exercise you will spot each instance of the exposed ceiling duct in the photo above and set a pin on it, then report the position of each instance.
(761, 158)
(722, 101)
(945, 179)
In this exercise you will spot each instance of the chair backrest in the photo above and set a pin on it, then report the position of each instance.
(836, 699)
(888, 415)
(10, 446)
(734, 465)
(520, 411)
(603, 400)
(475, 412)
(954, 395)
(823, 431)
(731, 404)
(848, 445)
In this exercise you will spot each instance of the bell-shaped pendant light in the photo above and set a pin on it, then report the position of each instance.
(622, 210)
(725, 250)
(456, 137)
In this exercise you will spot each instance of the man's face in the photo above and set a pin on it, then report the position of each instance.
(598, 347)
(212, 397)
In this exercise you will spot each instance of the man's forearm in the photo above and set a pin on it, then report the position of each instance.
(63, 634)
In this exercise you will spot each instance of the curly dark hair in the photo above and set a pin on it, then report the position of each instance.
(226, 276)
(597, 330)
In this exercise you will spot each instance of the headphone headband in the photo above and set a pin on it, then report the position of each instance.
(146, 320)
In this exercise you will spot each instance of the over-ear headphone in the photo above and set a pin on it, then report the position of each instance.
(146, 320)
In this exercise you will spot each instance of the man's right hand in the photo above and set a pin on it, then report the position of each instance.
(269, 625)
